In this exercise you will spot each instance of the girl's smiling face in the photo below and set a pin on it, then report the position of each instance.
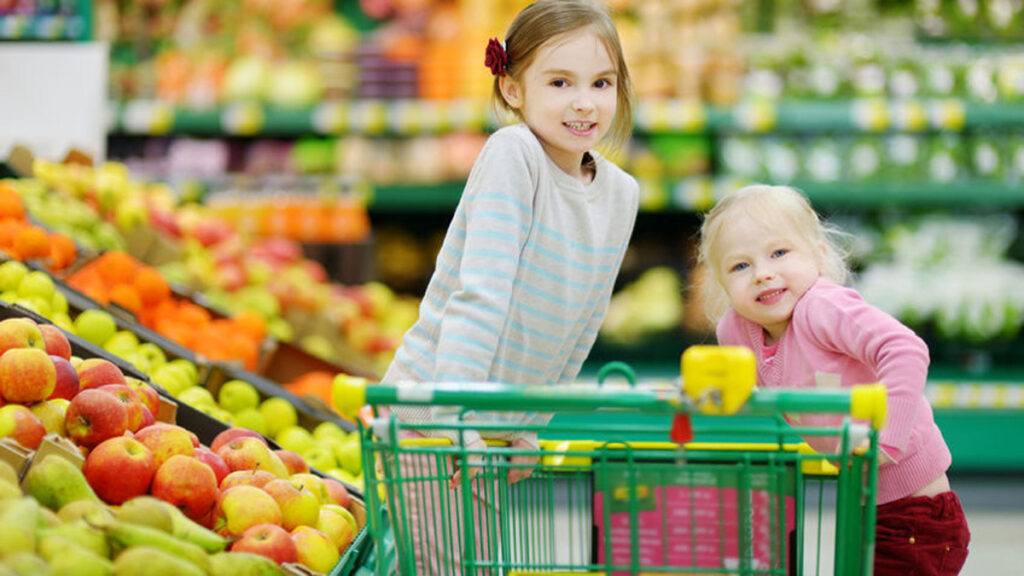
(567, 96)
(764, 272)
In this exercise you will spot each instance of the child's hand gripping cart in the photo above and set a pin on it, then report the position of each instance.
(620, 486)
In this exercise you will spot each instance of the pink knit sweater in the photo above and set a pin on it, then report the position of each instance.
(837, 339)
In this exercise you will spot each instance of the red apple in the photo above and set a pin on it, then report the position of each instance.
(93, 416)
(241, 507)
(55, 341)
(119, 469)
(206, 456)
(188, 483)
(95, 372)
(268, 540)
(166, 440)
(52, 413)
(230, 434)
(335, 526)
(316, 551)
(298, 506)
(313, 484)
(131, 403)
(148, 395)
(27, 375)
(255, 478)
(292, 461)
(19, 423)
(337, 492)
(248, 453)
(20, 333)
(67, 379)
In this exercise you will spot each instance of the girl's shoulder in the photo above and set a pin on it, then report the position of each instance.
(515, 137)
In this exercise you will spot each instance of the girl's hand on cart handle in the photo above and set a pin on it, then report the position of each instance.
(521, 466)
(474, 446)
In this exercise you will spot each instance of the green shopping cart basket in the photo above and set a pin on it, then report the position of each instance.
(615, 504)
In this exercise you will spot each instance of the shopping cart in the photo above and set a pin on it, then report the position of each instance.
(620, 502)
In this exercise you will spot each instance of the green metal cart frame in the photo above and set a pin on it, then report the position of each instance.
(612, 506)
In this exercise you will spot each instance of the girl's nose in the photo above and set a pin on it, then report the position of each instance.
(582, 101)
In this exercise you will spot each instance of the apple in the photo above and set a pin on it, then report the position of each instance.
(147, 418)
(230, 434)
(237, 395)
(122, 343)
(151, 354)
(335, 526)
(298, 506)
(256, 478)
(36, 284)
(20, 333)
(95, 372)
(268, 540)
(55, 341)
(66, 385)
(247, 453)
(171, 378)
(131, 403)
(313, 484)
(95, 326)
(292, 461)
(250, 418)
(27, 375)
(206, 456)
(316, 551)
(93, 416)
(148, 395)
(51, 414)
(166, 440)
(11, 274)
(119, 469)
(295, 438)
(188, 483)
(198, 397)
(344, 513)
(337, 492)
(279, 414)
(20, 424)
(240, 507)
(321, 457)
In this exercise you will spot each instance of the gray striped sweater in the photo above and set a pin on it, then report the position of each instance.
(522, 281)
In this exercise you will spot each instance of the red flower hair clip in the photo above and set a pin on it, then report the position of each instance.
(497, 58)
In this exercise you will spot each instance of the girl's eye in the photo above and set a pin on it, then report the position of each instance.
(780, 253)
(739, 267)
(559, 83)
(603, 83)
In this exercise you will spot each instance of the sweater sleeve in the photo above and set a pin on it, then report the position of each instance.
(497, 207)
(844, 322)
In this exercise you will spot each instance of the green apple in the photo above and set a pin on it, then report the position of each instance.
(278, 414)
(296, 439)
(121, 343)
(197, 396)
(329, 429)
(11, 274)
(34, 303)
(320, 456)
(250, 418)
(95, 326)
(349, 454)
(190, 369)
(36, 283)
(63, 321)
(59, 303)
(152, 354)
(237, 395)
(172, 378)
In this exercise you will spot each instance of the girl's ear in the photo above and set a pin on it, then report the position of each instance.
(511, 91)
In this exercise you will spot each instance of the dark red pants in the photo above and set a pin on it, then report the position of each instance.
(921, 536)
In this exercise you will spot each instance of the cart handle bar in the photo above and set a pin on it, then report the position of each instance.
(864, 402)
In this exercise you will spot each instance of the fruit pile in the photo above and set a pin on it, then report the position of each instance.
(149, 497)
(23, 240)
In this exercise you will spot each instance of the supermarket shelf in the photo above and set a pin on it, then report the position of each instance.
(699, 193)
(44, 27)
(413, 117)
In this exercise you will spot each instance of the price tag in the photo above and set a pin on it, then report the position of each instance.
(870, 115)
(242, 119)
(147, 117)
(909, 116)
(756, 116)
(948, 114)
(331, 117)
(369, 116)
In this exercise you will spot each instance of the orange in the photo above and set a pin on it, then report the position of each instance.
(126, 296)
(116, 267)
(10, 204)
(8, 231)
(31, 242)
(251, 323)
(151, 286)
(62, 251)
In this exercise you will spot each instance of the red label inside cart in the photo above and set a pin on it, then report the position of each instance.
(694, 518)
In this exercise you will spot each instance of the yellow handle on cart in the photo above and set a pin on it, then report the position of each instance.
(348, 394)
(719, 378)
(869, 402)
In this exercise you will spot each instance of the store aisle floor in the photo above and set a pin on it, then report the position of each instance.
(995, 511)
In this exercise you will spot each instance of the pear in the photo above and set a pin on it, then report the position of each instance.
(54, 482)
(149, 561)
(243, 564)
(81, 534)
(79, 509)
(18, 527)
(9, 490)
(68, 558)
(8, 473)
(125, 536)
(27, 564)
(156, 513)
